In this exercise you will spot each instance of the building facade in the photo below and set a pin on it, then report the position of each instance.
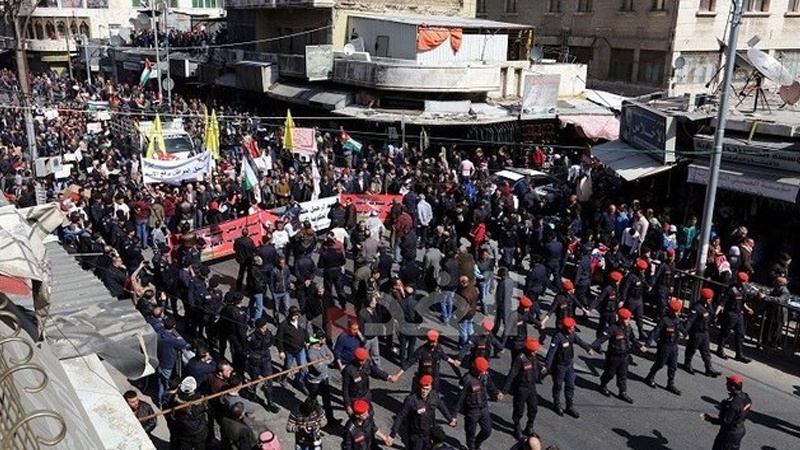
(631, 46)
(56, 28)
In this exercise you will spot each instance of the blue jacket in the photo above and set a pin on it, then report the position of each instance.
(169, 344)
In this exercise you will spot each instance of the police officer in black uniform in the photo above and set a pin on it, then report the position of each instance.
(608, 302)
(212, 307)
(559, 362)
(697, 326)
(259, 359)
(520, 323)
(360, 431)
(244, 248)
(663, 281)
(233, 330)
(564, 304)
(480, 344)
(734, 304)
(196, 297)
(476, 390)
(428, 356)
(355, 377)
(521, 382)
(620, 343)
(732, 414)
(536, 281)
(633, 288)
(666, 333)
(419, 413)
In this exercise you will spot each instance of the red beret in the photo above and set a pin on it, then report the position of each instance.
(525, 302)
(568, 322)
(624, 313)
(734, 379)
(707, 293)
(487, 324)
(743, 277)
(616, 276)
(675, 305)
(641, 264)
(567, 285)
(426, 380)
(532, 344)
(433, 335)
(360, 407)
(361, 354)
(671, 253)
(481, 364)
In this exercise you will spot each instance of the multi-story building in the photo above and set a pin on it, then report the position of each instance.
(631, 46)
(55, 28)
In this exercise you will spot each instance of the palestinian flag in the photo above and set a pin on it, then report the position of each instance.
(249, 179)
(349, 143)
(147, 73)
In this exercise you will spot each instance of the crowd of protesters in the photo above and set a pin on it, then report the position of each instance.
(178, 39)
(569, 242)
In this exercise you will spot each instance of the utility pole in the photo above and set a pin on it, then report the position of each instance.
(169, 75)
(22, 75)
(155, 41)
(86, 59)
(719, 136)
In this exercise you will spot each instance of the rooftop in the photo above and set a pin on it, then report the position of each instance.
(447, 21)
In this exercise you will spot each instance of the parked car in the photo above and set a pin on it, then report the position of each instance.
(548, 187)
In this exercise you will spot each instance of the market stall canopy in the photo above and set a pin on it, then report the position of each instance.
(629, 162)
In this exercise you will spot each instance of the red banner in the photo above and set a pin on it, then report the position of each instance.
(365, 204)
(219, 238)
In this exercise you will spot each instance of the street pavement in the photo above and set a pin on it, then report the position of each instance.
(658, 420)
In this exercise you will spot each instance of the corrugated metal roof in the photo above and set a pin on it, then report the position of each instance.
(447, 21)
(629, 162)
(85, 319)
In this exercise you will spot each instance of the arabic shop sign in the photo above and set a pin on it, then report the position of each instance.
(768, 155)
(648, 130)
(741, 182)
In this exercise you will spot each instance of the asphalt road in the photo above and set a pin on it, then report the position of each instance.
(658, 420)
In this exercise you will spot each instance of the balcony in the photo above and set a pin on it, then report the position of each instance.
(51, 45)
(406, 75)
(278, 4)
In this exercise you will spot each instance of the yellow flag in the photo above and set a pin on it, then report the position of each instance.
(214, 132)
(155, 139)
(288, 131)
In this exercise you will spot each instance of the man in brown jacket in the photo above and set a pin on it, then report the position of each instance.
(469, 293)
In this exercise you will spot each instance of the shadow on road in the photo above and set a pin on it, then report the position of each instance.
(764, 420)
(644, 442)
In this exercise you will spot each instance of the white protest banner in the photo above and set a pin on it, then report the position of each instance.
(176, 171)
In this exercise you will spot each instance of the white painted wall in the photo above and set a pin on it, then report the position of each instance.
(474, 47)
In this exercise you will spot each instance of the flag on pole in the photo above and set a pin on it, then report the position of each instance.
(249, 179)
(315, 178)
(155, 141)
(288, 131)
(349, 143)
(212, 133)
(147, 73)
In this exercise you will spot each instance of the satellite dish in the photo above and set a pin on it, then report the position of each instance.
(770, 67)
(537, 53)
(790, 93)
(680, 61)
(349, 49)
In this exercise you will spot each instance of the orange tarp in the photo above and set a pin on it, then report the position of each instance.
(429, 38)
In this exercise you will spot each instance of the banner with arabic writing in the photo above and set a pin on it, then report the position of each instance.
(219, 238)
(176, 171)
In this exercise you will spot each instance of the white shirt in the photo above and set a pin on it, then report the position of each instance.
(280, 238)
(466, 168)
(424, 212)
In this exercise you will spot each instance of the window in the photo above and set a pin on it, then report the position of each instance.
(708, 5)
(511, 6)
(480, 7)
(659, 5)
(651, 67)
(757, 6)
(621, 67)
(555, 6)
(794, 5)
(626, 5)
(584, 5)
